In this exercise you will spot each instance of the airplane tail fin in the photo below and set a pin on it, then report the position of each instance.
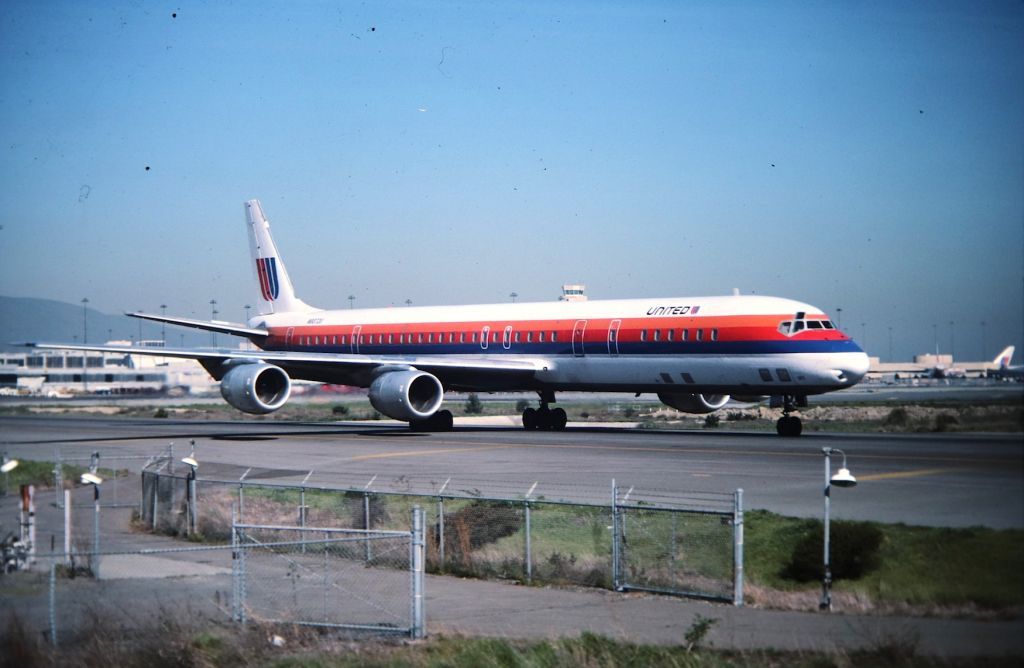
(1004, 358)
(276, 292)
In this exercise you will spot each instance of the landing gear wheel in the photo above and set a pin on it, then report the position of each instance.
(545, 418)
(789, 426)
(558, 419)
(439, 421)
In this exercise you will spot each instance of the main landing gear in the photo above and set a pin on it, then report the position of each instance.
(439, 421)
(545, 418)
(790, 425)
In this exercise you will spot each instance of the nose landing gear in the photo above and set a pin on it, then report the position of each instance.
(790, 425)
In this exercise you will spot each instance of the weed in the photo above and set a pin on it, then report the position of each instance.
(694, 635)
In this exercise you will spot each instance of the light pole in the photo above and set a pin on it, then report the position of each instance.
(514, 295)
(935, 334)
(890, 344)
(842, 479)
(191, 524)
(408, 302)
(839, 318)
(247, 307)
(90, 478)
(85, 325)
(163, 328)
(213, 316)
(952, 341)
(983, 346)
(351, 302)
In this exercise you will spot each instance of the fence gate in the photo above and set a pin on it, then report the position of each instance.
(339, 578)
(676, 550)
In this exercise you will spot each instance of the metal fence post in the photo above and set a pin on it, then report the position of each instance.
(324, 586)
(529, 547)
(737, 596)
(234, 564)
(615, 537)
(366, 524)
(96, 532)
(440, 531)
(156, 497)
(66, 494)
(58, 477)
(53, 603)
(417, 548)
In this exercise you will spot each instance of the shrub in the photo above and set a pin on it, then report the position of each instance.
(160, 413)
(944, 421)
(480, 523)
(522, 405)
(473, 405)
(853, 546)
(339, 409)
(897, 417)
(711, 421)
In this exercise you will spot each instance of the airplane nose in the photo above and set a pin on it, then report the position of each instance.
(852, 369)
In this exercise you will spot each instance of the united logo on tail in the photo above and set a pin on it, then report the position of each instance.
(266, 267)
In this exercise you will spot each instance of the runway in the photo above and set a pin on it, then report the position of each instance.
(951, 480)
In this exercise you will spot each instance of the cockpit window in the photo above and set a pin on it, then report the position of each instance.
(800, 323)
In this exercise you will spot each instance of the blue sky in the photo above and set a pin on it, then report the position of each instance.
(867, 156)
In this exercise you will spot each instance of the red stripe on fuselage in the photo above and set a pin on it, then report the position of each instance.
(631, 330)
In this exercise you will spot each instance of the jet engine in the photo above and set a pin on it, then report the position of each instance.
(256, 388)
(694, 403)
(408, 395)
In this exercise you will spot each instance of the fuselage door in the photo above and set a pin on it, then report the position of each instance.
(577, 337)
(355, 339)
(613, 337)
(485, 334)
(288, 337)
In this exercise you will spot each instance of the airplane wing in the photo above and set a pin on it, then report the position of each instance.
(343, 369)
(219, 326)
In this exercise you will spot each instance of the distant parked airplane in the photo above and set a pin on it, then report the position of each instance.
(694, 352)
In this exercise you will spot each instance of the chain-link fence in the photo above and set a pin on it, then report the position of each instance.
(268, 574)
(337, 578)
(686, 545)
(663, 546)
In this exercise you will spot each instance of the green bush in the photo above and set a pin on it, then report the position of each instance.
(473, 405)
(522, 405)
(339, 409)
(853, 546)
(711, 421)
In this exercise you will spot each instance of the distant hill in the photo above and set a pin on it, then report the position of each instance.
(30, 319)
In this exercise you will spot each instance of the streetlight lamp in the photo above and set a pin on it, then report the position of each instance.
(6, 467)
(408, 302)
(841, 479)
(514, 295)
(839, 318)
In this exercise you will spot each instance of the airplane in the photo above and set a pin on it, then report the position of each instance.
(1004, 369)
(693, 352)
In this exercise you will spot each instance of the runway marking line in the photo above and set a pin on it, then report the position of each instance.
(902, 474)
(417, 453)
(482, 445)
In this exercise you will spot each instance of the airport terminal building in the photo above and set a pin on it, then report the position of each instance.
(56, 373)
